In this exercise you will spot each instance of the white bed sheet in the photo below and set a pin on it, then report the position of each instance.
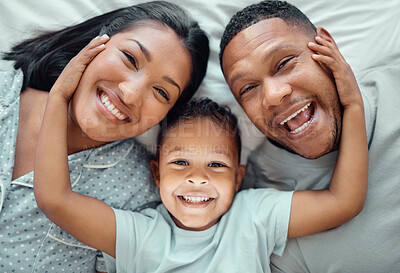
(367, 31)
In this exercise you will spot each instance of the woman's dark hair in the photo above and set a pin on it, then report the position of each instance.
(202, 108)
(255, 13)
(43, 58)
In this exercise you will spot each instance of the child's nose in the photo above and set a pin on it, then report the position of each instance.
(197, 178)
(197, 181)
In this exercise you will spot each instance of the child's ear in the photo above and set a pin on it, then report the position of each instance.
(156, 172)
(239, 176)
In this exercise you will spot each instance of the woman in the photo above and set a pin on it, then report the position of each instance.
(154, 59)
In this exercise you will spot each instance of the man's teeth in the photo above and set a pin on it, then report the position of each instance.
(195, 199)
(301, 128)
(295, 114)
(111, 107)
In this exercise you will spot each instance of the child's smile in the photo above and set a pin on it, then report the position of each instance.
(198, 173)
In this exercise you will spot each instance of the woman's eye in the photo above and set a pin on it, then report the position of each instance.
(216, 165)
(180, 162)
(282, 64)
(162, 93)
(131, 59)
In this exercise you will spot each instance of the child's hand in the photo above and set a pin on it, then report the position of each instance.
(327, 52)
(69, 78)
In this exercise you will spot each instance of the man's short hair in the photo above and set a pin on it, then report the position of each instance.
(264, 10)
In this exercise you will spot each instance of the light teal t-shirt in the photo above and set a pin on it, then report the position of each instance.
(255, 226)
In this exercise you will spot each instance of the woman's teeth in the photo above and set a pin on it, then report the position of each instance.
(111, 107)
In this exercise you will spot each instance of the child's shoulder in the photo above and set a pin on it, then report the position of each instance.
(262, 197)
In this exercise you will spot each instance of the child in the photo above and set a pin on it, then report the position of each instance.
(201, 225)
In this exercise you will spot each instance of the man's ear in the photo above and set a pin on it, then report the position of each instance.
(323, 33)
(239, 176)
(156, 172)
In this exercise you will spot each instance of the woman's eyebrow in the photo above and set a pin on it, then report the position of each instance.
(146, 53)
(171, 81)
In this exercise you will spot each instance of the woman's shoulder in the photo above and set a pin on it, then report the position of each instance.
(10, 86)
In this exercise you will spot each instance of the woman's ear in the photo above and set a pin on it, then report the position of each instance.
(156, 172)
(239, 176)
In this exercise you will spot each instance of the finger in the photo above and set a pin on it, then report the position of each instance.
(321, 49)
(325, 41)
(330, 62)
(326, 50)
(69, 79)
(86, 55)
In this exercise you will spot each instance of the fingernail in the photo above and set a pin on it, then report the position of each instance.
(100, 46)
(104, 36)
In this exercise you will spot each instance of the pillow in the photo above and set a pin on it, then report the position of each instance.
(363, 29)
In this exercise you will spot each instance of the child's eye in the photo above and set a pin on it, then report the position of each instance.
(216, 165)
(180, 162)
(131, 59)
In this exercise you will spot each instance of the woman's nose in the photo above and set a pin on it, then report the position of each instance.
(132, 93)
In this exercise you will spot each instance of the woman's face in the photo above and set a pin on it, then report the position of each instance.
(131, 85)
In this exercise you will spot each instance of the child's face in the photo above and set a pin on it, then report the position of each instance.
(198, 173)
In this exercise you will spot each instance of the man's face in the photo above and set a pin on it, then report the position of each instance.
(289, 97)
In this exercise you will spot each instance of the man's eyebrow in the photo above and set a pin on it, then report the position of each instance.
(266, 57)
(146, 53)
(171, 81)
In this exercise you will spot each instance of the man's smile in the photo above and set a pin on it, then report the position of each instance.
(300, 119)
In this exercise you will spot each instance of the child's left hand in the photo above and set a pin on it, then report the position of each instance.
(69, 78)
(327, 52)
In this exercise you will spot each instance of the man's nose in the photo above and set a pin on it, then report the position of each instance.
(274, 92)
(132, 92)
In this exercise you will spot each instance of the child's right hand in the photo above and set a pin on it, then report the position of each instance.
(327, 52)
(69, 78)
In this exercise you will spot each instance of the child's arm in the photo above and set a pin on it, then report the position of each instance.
(87, 219)
(314, 211)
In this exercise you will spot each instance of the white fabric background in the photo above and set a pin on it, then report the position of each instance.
(366, 31)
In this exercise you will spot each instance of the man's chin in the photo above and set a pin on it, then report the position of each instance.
(305, 154)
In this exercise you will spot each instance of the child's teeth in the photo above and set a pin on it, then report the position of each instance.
(196, 199)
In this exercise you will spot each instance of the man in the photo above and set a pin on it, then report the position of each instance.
(268, 62)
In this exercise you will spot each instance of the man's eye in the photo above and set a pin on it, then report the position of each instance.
(247, 89)
(131, 59)
(162, 93)
(181, 162)
(216, 165)
(282, 64)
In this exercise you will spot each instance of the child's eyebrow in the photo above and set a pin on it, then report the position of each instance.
(197, 149)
